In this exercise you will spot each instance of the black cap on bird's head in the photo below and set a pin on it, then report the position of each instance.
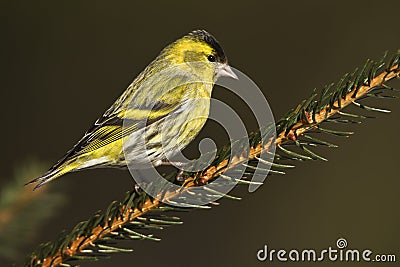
(217, 56)
(204, 36)
(200, 46)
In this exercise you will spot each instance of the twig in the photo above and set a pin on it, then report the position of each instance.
(305, 117)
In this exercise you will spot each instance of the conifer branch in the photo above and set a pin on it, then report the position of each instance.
(19, 206)
(138, 211)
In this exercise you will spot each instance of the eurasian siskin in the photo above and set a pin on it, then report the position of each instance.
(166, 106)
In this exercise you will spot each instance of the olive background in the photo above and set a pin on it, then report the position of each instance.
(64, 62)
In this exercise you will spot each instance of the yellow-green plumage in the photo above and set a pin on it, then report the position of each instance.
(167, 104)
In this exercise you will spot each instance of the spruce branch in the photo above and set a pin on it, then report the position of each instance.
(139, 213)
(19, 206)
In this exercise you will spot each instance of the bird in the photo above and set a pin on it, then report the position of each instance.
(159, 114)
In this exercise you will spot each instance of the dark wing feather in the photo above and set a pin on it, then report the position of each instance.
(109, 129)
(103, 129)
(116, 122)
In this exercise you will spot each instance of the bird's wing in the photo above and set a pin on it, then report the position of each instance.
(142, 103)
(107, 130)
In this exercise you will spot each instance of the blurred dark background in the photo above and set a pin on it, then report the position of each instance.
(64, 62)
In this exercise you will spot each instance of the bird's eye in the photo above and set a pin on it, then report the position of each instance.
(211, 58)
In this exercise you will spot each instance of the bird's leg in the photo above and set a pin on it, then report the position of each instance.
(176, 164)
(138, 189)
(135, 184)
(179, 176)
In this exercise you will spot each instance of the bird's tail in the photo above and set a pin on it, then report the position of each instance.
(52, 174)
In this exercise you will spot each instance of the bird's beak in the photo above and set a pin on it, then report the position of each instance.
(226, 70)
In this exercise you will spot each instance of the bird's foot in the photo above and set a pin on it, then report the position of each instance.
(177, 164)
